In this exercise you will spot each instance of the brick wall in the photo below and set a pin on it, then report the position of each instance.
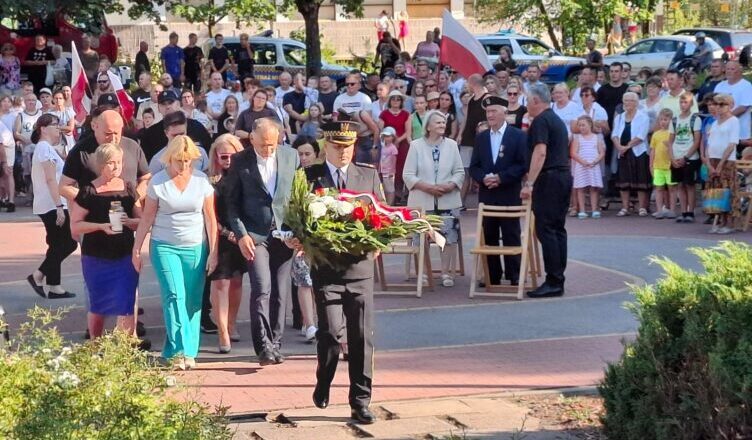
(356, 36)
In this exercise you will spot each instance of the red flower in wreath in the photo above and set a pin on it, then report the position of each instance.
(359, 213)
(321, 192)
(375, 221)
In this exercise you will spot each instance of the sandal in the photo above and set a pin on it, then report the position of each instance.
(623, 212)
(572, 212)
(642, 212)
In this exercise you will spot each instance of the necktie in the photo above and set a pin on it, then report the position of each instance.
(340, 180)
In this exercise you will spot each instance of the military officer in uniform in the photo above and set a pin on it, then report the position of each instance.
(549, 183)
(347, 294)
(498, 164)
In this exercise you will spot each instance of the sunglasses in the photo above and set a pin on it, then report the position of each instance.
(351, 84)
(720, 103)
(513, 94)
(224, 156)
(582, 95)
(103, 82)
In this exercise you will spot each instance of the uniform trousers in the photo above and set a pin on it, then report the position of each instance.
(269, 274)
(551, 195)
(510, 236)
(346, 307)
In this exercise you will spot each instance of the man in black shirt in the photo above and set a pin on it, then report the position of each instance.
(401, 73)
(192, 71)
(244, 57)
(155, 138)
(594, 57)
(35, 65)
(716, 74)
(219, 57)
(327, 95)
(609, 97)
(295, 102)
(549, 183)
(143, 93)
(142, 59)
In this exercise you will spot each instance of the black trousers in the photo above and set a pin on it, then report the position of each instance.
(60, 244)
(269, 274)
(550, 203)
(346, 307)
(192, 81)
(510, 236)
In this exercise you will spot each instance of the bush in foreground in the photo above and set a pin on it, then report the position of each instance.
(106, 389)
(688, 373)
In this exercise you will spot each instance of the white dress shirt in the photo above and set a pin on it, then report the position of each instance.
(496, 137)
(268, 170)
(334, 174)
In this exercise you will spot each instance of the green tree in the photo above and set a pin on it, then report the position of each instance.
(87, 12)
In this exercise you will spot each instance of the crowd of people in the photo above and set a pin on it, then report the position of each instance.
(207, 170)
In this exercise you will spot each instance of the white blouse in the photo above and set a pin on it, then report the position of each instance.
(639, 129)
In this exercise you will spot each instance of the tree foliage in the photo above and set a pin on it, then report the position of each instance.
(567, 23)
(87, 12)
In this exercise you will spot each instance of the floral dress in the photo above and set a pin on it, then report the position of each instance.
(10, 73)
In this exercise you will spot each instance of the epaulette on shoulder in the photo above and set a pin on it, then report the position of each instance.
(366, 165)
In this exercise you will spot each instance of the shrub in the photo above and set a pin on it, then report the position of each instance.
(104, 389)
(688, 373)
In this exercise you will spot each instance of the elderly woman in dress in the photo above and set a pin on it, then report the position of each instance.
(434, 174)
(110, 277)
(227, 279)
(630, 138)
(179, 210)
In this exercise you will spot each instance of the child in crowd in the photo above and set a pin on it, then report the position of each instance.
(660, 166)
(308, 153)
(587, 151)
(314, 119)
(685, 146)
(388, 162)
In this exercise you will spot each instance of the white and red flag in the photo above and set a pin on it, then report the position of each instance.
(79, 87)
(127, 106)
(460, 49)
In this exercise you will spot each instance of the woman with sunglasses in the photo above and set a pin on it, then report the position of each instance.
(46, 170)
(515, 111)
(719, 155)
(227, 278)
(10, 70)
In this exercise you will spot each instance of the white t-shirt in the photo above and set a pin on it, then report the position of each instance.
(215, 100)
(352, 104)
(720, 136)
(9, 119)
(43, 153)
(742, 94)
(280, 93)
(685, 135)
(65, 117)
(576, 93)
(9, 145)
(568, 113)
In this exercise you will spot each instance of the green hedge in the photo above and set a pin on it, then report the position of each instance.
(104, 389)
(688, 373)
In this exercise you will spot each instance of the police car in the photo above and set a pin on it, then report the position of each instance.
(527, 50)
(275, 55)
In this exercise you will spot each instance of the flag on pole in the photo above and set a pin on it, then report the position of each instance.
(79, 86)
(127, 106)
(460, 49)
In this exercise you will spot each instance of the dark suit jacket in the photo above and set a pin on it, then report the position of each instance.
(510, 167)
(251, 209)
(360, 178)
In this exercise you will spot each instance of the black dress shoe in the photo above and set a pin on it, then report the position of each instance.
(546, 291)
(140, 329)
(514, 281)
(208, 326)
(144, 344)
(64, 295)
(140, 311)
(39, 290)
(266, 358)
(363, 415)
(321, 396)
(278, 358)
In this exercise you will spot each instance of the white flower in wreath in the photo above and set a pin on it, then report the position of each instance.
(344, 208)
(328, 201)
(317, 210)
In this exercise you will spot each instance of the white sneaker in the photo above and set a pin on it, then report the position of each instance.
(303, 331)
(667, 213)
(310, 333)
(725, 230)
(447, 281)
(714, 230)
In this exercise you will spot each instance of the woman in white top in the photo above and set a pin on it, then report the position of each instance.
(651, 105)
(7, 155)
(67, 117)
(46, 169)
(719, 155)
(434, 174)
(630, 144)
(179, 210)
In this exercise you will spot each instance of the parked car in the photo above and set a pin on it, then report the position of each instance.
(59, 29)
(527, 50)
(658, 52)
(275, 55)
(731, 40)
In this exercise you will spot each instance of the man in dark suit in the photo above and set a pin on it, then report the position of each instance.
(498, 164)
(260, 182)
(347, 294)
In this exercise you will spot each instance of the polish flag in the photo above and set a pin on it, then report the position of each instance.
(460, 49)
(127, 106)
(79, 86)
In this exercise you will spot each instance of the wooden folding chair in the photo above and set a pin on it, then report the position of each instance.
(412, 248)
(458, 266)
(530, 265)
(744, 193)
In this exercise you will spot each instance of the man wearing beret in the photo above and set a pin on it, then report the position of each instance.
(345, 294)
(498, 164)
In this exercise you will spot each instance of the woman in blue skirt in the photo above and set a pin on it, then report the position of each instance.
(106, 247)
